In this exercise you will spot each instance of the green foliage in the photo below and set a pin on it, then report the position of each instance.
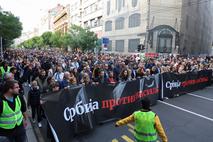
(56, 39)
(79, 37)
(47, 39)
(10, 27)
(37, 42)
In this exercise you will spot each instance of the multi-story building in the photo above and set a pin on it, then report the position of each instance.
(92, 15)
(196, 27)
(126, 23)
(47, 19)
(76, 12)
(62, 20)
(158, 24)
(52, 13)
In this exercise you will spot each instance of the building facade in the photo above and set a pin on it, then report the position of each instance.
(76, 12)
(196, 27)
(52, 13)
(157, 24)
(126, 23)
(62, 20)
(92, 16)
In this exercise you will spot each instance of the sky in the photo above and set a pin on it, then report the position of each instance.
(29, 11)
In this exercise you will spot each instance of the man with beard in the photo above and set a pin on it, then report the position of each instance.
(42, 81)
(12, 113)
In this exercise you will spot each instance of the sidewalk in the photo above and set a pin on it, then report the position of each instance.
(32, 130)
(30, 133)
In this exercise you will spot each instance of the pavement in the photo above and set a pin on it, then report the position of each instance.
(187, 118)
(30, 130)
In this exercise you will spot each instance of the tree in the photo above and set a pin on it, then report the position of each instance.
(56, 39)
(37, 42)
(10, 27)
(79, 37)
(47, 38)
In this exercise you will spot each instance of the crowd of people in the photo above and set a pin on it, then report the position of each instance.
(51, 70)
(64, 69)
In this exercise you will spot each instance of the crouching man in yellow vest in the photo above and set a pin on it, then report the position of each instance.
(147, 124)
(12, 113)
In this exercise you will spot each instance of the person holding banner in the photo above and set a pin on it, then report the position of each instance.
(147, 124)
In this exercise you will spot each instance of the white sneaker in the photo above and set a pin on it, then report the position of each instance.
(34, 120)
(39, 125)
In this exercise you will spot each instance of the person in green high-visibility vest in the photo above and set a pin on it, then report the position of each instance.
(12, 113)
(5, 68)
(147, 124)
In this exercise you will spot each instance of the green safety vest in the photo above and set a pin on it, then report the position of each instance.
(144, 126)
(3, 71)
(9, 118)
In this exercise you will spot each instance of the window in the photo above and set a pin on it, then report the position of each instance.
(110, 46)
(108, 26)
(120, 4)
(93, 23)
(99, 21)
(133, 45)
(189, 3)
(119, 45)
(134, 20)
(187, 22)
(134, 3)
(108, 7)
(119, 23)
(86, 24)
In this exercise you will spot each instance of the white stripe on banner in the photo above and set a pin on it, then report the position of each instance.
(191, 112)
(54, 133)
(205, 98)
(162, 85)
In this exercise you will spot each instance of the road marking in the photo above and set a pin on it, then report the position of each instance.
(199, 115)
(126, 138)
(210, 87)
(114, 140)
(131, 131)
(131, 126)
(205, 98)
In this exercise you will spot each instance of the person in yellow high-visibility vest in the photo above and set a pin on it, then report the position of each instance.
(5, 68)
(12, 113)
(147, 124)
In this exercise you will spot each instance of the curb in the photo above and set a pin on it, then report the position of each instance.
(37, 132)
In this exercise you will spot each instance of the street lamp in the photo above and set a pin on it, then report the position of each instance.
(1, 44)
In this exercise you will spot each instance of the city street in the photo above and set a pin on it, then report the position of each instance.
(186, 118)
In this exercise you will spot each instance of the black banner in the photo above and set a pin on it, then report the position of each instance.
(77, 110)
(173, 84)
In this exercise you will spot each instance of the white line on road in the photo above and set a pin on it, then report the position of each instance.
(191, 112)
(211, 87)
(205, 98)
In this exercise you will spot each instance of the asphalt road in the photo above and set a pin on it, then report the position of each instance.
(187, 118)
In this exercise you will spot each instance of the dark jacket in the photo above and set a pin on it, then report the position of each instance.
(34, 97)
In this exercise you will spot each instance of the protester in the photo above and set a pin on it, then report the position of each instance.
(147, 124)
(12, 113)
(34, 102)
